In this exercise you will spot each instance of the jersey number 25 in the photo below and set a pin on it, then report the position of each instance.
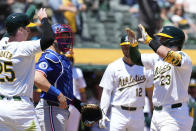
(6, 67)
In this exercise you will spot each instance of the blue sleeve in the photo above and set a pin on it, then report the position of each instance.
(43, 65)
(49, 65)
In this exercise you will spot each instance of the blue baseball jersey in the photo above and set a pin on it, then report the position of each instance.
(58, 71)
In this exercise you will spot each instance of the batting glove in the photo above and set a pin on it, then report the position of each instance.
(102, 122)
(132, 37)
(145, 37)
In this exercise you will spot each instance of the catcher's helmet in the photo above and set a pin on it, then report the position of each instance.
(171, 36)
(16, 20)
(64, 36)
(124, 40)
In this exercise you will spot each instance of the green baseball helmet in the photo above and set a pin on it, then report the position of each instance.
(124, 40)
(173, 37)
(16, 20)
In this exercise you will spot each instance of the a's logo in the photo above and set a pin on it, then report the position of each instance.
(131, 81)
(43, 65)
(126, 38)
(159, 71)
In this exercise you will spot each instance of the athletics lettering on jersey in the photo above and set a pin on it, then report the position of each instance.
(161, 70)
(6, 54)
(131, 81)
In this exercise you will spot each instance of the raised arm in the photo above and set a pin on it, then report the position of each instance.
(47, 36)
(135, 54)
(169, 55)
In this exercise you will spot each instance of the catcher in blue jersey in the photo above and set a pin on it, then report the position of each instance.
(54, 77)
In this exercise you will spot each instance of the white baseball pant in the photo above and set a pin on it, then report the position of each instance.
(51, 118)
(18, 115)
(125, 120)
(74, 119)
(172, 119)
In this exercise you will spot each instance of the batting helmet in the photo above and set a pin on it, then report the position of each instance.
(16, 20)
(64, 36)
(171, 36)
(124, 40)
(192, 82)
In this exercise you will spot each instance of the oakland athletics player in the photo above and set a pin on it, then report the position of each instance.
(79, 86)
(54, 71)
(172, 70)
(17, 72)
(124, 86)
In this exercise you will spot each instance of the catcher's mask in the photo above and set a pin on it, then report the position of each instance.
(171, 36)
(64, 36)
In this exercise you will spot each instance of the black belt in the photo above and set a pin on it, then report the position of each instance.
(50, 103)
(16, 98)
(128, 108)
(159, 108)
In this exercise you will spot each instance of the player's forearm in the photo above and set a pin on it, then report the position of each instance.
(162, 51)
(47, 37)
(41, 82)
(135, 55)
(169, 55)
(105, 100)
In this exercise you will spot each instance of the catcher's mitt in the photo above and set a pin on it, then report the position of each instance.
(91, 113)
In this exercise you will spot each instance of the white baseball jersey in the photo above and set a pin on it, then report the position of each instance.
(78, 81)
(127, 83)
(17, 67)
(170, 82)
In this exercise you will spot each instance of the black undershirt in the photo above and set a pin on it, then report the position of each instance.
(47, 37)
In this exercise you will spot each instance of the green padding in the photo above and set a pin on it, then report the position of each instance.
(31, 12)
(135, 55)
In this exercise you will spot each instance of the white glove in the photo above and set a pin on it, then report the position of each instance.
(145, 37)
(102, 121)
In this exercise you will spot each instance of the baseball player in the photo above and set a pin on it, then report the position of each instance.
(172, 70)
(17, 72)
(79, 86)
(192, 101)
(54, 72)
(124, 86)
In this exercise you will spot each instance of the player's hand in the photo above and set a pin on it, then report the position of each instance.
(132, 37)
(62, 101)
(145, 37)
(42, 14)
(102, 122)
